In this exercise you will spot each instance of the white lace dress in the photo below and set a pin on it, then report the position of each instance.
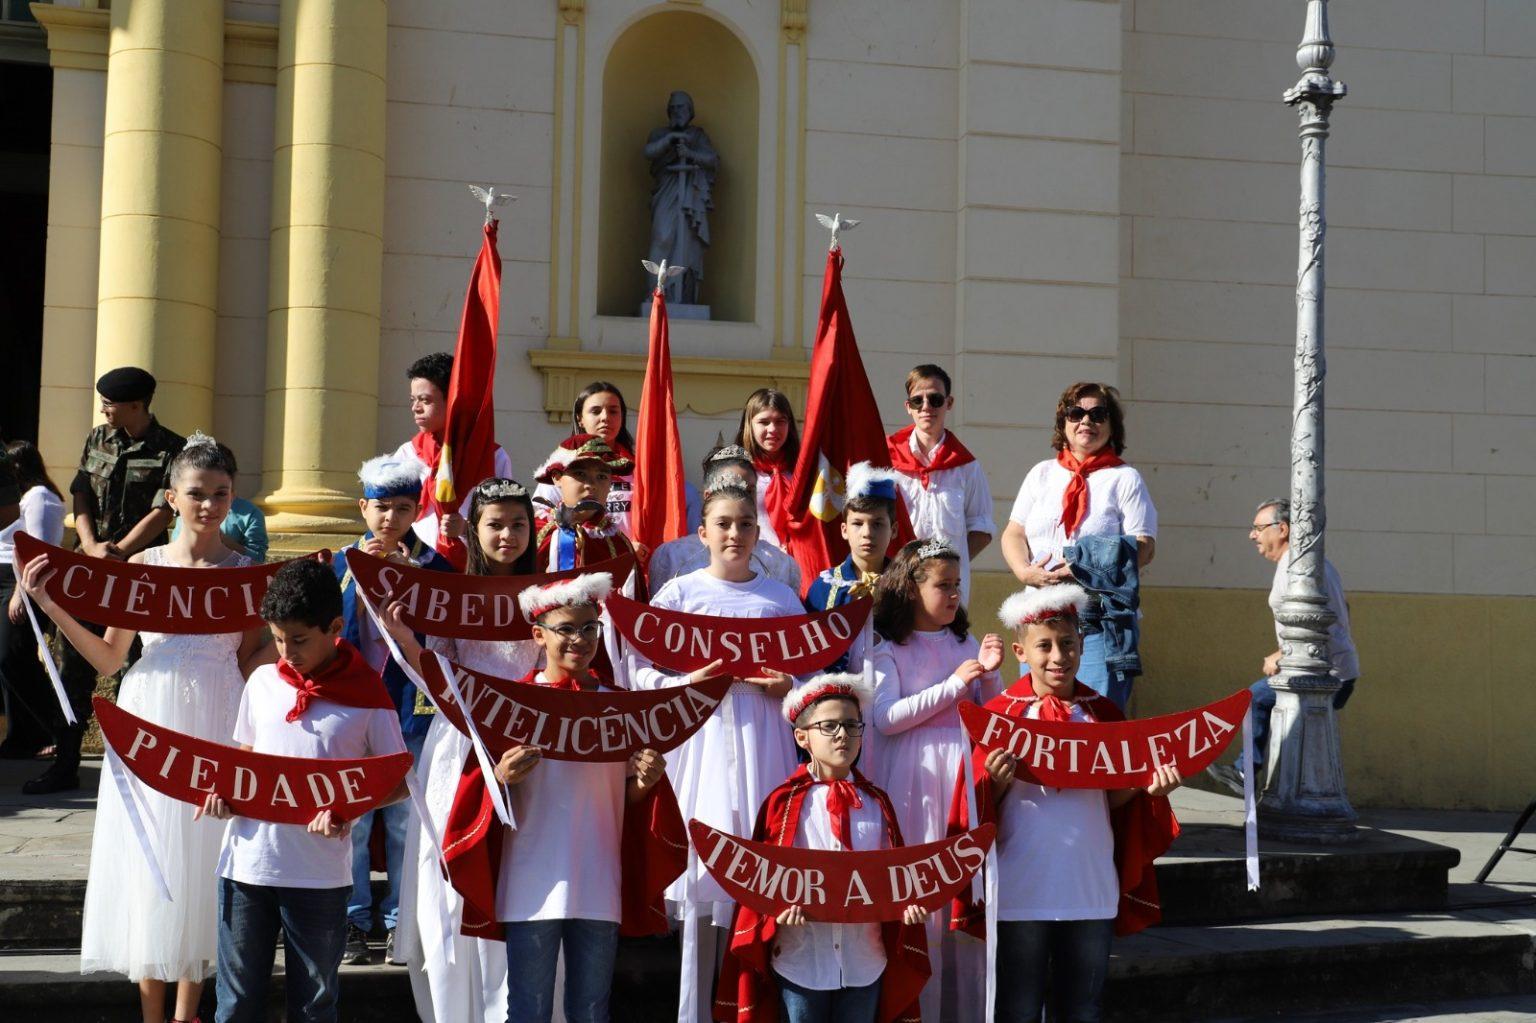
(190, 684)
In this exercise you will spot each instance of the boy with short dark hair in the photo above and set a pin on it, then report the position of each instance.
(869, 519)
(321, 700)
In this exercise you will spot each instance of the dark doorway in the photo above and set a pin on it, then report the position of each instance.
(26, 116)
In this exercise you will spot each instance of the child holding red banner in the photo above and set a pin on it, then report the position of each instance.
(727, 768)
(579, 531)
(595, 846)
(786, 967)
(927, 664)
(1074, 865)
(188, 683)
(322, 700)
(473, 986)
(771, 439)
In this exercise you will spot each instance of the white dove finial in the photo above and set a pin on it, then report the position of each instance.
(490, 198)
(663, 273)
(836, 223)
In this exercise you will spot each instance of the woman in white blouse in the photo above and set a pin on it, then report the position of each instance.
(40, 513)
(1086, 490)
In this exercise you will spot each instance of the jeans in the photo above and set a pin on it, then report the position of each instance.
(398, 818)
(1065, 961)
(1093, 672)
(313, 922)
(533, 948)
(844, 1005)
(1264, 705)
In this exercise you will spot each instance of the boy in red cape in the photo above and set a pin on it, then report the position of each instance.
(1073, 866)
(825, 972)
(595, 846)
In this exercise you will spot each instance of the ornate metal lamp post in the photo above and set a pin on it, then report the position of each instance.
(1304, 799)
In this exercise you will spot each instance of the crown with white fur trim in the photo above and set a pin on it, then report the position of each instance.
(392, 476)
(865, 480)
(824, 687)
(582, 447)
(592, 588)
(1036, 604)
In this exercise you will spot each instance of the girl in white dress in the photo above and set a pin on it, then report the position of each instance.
(725, 770)
(473, 987)
(190, 684)
(925, 666)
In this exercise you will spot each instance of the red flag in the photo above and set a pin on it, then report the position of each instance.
(842, 426)
(658, 507)
(468, 453)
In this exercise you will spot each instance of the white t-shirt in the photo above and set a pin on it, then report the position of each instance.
(688, 554)
(563, 861)
(1118, 505)
(426, 526)
(823, 956)
(1341, 646)
(955, 503)
(41, 515)
(288, 855)
(1056, 852)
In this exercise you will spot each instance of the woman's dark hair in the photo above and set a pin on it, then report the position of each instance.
(760, 401)
(436, 367)
(896, 594)
(1088, 389)
(204, 454)
(624, 437)
(27, 463)
(726, 492)
(303, 591)
(478, 563)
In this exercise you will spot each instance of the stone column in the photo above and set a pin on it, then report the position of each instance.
(1304, 799)
(325, 261)
(157, 293)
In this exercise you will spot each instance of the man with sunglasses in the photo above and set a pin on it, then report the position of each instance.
(944, 487)
(1271, 535)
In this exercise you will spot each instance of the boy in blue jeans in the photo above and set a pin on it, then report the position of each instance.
(321, 700)
(389, 505)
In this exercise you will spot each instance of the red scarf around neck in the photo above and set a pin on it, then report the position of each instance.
(776, 497)
(842, 799)
(429, 449)
(347, 680)
(950, 454)
(1074, 501)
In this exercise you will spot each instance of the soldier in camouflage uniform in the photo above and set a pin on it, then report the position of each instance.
(120, 509)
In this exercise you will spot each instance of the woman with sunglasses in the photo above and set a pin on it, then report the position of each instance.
(1085, 491)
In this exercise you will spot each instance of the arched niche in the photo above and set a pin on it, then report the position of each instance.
(660, 53)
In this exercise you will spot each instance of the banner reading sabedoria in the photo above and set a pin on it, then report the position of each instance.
(796, 644)
(584, 726)
(282, 790)
(159, 598)
(841, 887)
(1110, 754)
(453, 606)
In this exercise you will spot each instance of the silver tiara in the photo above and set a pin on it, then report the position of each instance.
(937, 547)
(199, 439)
(497, 489)
(731, 452)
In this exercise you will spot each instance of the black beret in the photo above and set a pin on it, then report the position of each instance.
(126, 383)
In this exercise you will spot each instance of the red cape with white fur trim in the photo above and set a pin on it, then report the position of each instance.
(747, 992)
(653, 851)
(1143, 829)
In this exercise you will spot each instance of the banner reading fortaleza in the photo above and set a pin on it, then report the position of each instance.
(584, 726)
(282, 790)
(161, 598)
(454, 606)
(683, 642)
(841, 887)
(1110, 754)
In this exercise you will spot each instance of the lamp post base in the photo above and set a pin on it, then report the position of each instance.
(1304, 797)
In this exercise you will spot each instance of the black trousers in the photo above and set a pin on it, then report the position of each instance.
(29, 702)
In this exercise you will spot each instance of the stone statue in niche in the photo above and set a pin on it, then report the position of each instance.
(683, 165)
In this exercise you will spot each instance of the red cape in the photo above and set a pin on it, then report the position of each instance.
(653, 851)
(747, 992)
(950, 455)
(1143, 828)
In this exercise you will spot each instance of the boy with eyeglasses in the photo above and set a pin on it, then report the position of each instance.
(944, 486)
(787, 967)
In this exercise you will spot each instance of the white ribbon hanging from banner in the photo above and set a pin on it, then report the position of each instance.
(1250, 808)
(53, 669)
(127, 789)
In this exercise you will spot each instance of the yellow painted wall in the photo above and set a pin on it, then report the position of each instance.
(1444, 712)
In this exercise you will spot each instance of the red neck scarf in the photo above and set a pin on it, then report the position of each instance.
(842, 799)
(429, 449)
(776, 497)
(1074, 501)
(950, 454)
(1022, 694)
(571, 684)
(347, 680)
